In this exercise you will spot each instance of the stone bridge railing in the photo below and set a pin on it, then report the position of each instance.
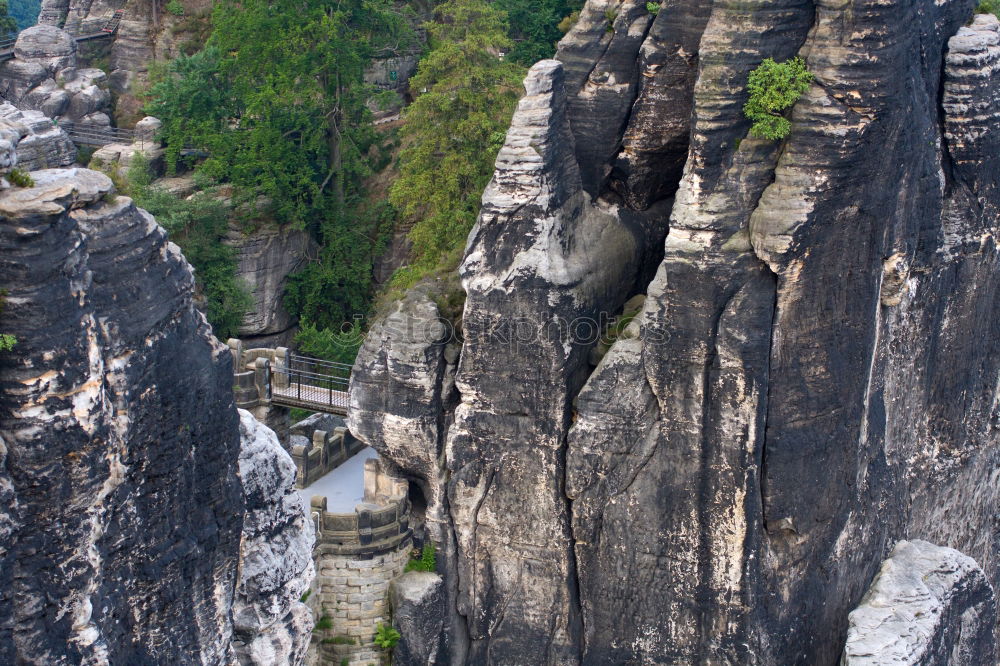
(322, 452)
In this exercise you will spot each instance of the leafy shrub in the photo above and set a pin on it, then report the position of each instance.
(7, 341)
(426, 562)
(610, 15)
(175, 7)
(568, 22)
(653, 8)
(330, 345)
(323, 623)
(386, 637)
(989, 7)
(20, 178)
(774, 88)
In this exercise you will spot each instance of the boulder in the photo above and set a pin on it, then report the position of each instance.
(43, 145)
(420, 616)
(148, 127)
(928, 606)
(46, 45)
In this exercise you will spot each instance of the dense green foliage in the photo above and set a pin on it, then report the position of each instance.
(774, 88)
(276, 106)
(989, 7)
(427, 560)
(386, 636)
(453, 131)
(277, 102)
(340, 346)
(8, 23)
(24, 12)
(534, 27)
(198, 225)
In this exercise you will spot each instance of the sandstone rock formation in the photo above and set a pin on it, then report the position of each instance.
(271, 624)
(43, 76)
(419, 614)
(928, 605)
(815, 371)
(121, 438)
(264, 260)
(129, 487)
(40, 144)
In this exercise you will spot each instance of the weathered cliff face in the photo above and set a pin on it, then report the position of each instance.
(814, 375)
(140, 520)
(43, 76)
(121, 438)
(264, 260)
(40, 144)
(272, 626)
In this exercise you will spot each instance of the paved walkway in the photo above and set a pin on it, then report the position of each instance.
(344, 487)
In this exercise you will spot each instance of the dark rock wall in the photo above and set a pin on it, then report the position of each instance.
(123, 508)
(814, 375)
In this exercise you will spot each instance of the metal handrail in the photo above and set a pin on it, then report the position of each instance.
(292, 373)
(318, 361)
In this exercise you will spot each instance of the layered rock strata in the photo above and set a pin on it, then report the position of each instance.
(814, 373)
(271, 624)
(928, 605)
(121, 438)
(142, 521)
(265, 258)
(41, 144)
(43, 76)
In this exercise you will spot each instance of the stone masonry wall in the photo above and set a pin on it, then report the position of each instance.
(354, 593)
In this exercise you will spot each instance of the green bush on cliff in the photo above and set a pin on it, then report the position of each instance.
(7, 341)
(198, 225)
(989, 7)
(774, 88)
(427, 561)
(386, 637)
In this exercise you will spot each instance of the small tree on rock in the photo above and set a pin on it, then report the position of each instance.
(774, 88)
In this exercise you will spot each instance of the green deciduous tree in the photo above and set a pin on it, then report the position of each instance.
(8, 24)
(277, 102)
(534, 26)
(774, 88)
(454, 128)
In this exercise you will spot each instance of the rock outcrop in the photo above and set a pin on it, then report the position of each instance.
(420, 615)
(272, 626)
(265, 258)
(121, 438)
(43, 76)
(141, 519)
(928, 606)
(41, 145)
(813, 375)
